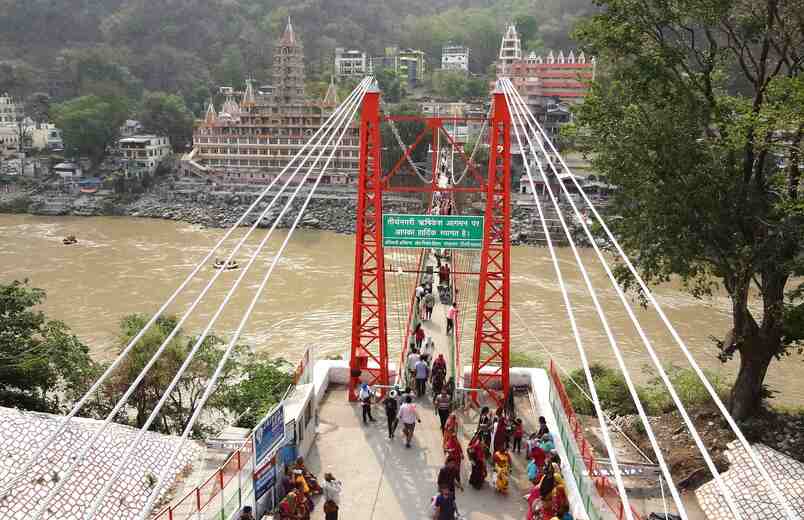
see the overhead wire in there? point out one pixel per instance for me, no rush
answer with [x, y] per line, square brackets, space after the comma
[781, 497]
[618, 477]
[37, 456]
[211, 385]
[338, 121]
[728, 496]
[87, 445]
[519, 110]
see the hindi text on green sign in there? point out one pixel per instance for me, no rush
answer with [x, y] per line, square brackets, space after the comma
[433, 231]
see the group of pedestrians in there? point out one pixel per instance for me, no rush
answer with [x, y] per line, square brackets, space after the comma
[298, 487]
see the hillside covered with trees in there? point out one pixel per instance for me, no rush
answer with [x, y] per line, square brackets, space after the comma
[188, 47]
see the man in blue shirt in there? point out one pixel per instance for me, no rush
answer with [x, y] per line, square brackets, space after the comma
[445, 505]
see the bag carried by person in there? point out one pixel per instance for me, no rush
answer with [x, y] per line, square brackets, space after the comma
[330, 506]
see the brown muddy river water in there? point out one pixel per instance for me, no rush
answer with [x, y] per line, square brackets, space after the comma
[126, 265]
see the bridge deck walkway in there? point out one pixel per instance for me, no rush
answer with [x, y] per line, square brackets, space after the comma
[382, 479]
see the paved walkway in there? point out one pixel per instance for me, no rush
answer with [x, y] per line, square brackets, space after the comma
[384, 480]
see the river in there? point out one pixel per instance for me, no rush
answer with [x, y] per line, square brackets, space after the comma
[127, 265]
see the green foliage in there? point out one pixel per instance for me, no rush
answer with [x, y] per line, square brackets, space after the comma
[187, 393]
[390, 86]
[689, 388]
[702, 137]
[616, 399]
[166, 114]
[522, 359]
[90, 123]
[262, 385]
[39, 358]
[456, 86]
[611, 390]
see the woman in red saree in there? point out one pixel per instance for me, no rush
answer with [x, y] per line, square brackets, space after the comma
[477, 456]
[454, 450]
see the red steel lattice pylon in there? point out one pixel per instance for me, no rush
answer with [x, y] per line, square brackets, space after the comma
[490, 357]
[369, 352]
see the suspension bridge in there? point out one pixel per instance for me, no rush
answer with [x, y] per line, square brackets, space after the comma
[460, 247]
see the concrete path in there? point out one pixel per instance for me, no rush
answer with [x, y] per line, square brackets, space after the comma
[383, 480]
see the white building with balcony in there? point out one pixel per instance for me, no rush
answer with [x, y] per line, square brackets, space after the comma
[350, 63]
[455, 58]
[144, 153]
[10, 110]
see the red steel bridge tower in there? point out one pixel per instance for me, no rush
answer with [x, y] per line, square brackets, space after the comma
[369, 343]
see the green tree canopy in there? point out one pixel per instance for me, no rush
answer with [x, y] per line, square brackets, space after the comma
[90, 124]
[698, 122]
[262, 385]
[40, 359]
[166, 114]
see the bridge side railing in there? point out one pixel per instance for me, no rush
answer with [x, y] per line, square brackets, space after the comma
[585, 469]
[222, 495]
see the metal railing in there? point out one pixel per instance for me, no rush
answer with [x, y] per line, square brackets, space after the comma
[587, 473]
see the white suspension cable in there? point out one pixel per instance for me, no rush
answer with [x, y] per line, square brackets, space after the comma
[341, 122]
[211, 385]
[474, 150]
[789, 512]
[133, 385]
[48, 442]
[618, 477]
[728, 496]
[518, 110]
[575, 383]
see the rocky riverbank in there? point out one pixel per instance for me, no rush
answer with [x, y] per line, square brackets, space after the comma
[328, 213]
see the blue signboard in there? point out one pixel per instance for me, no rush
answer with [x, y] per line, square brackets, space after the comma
[269, 433]
[264, 480]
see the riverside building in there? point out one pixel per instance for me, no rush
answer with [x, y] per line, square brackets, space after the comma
[256, 132]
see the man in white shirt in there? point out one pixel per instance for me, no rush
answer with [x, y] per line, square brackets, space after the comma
[408, 416]
[413, 358]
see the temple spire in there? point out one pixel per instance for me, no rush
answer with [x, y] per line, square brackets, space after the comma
[289, 36]
[211, 115]
[331, 97]
[249, 100]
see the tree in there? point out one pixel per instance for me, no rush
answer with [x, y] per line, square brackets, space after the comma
[262, 385]
[166, 114]
[40, 359]
[184, 398]
[90, 123]
[699, 124]
[389, 85]
[37, 107]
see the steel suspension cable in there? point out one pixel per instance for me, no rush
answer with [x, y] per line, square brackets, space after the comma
[343, 120]
[649, 347]
[211, 385]
[789, 512]
[618, 477]
[134, 384]
[37, 456]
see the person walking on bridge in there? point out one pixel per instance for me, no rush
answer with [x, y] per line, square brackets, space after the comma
[452, 316]
[429, 303]
[422, 371]
[391, 412]
[365, 395]
[409, 416]
[443, 404]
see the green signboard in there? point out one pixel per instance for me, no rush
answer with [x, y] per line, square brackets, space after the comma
[433, 231]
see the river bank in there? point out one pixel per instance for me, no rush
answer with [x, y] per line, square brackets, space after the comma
[333, 210]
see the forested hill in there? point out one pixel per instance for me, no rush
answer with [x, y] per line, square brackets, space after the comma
[187, 46]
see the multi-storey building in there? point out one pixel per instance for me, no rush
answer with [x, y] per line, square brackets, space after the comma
[412, 65]
[144, 153]
[455, 57]
[350, 63]
[409, 64]
[544, 79]
[256, 134]
[10, 110]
